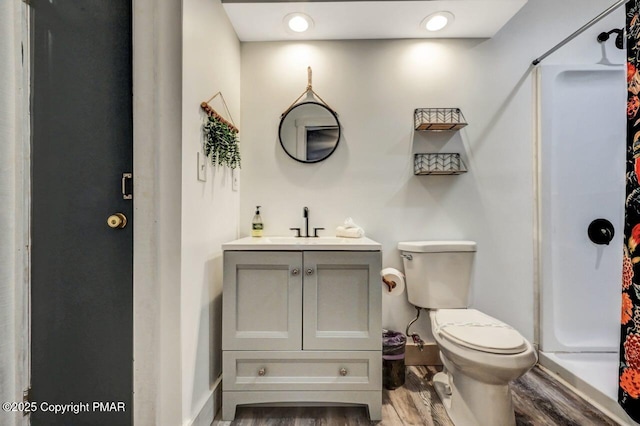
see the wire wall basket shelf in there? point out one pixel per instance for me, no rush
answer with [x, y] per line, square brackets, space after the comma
[438, 164]
[439, 119]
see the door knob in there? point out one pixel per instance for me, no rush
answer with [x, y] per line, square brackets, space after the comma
[117, 220]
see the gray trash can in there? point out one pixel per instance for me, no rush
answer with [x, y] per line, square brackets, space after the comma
[393, 349]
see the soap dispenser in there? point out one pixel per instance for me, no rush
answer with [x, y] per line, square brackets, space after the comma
[256, 224]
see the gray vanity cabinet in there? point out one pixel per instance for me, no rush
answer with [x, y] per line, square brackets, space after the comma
[302, 327]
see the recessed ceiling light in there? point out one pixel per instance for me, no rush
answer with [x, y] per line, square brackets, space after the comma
[298, 22]
[437, 21]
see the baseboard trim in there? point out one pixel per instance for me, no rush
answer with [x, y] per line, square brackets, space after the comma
[210, 407]
[428, 356]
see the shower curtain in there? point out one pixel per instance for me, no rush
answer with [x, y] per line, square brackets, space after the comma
[629, 384]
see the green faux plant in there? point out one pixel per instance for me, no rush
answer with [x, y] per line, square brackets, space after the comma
[221, 143]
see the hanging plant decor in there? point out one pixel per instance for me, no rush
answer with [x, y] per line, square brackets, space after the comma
[221, 143]
[220, 136]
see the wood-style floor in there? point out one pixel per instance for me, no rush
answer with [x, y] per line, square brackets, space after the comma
[539, 400]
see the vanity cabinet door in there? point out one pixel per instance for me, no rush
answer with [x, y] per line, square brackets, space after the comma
[342, 301]
[262, 301]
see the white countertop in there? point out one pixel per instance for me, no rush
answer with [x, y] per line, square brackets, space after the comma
[301, 243]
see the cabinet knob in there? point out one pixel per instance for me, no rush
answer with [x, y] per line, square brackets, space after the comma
[262, 372]
[309, 271]
[343, 372]
[295, 271]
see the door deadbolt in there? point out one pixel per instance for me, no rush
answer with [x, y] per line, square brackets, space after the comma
[117, 221]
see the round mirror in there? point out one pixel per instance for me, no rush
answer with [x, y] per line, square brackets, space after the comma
[309, 132]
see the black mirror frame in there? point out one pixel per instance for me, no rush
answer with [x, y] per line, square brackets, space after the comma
[307, 103]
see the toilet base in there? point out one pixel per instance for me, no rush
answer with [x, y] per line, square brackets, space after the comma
[469, 402]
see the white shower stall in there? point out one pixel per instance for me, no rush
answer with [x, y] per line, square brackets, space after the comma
[581, 177]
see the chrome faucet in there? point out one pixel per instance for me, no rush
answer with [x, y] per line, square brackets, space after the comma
[305, 215]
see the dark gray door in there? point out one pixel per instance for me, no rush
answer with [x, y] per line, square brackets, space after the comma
[81, 269]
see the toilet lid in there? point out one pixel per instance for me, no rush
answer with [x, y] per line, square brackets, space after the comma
[472, 329]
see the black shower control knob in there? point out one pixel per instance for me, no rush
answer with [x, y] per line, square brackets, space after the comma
[601, 231]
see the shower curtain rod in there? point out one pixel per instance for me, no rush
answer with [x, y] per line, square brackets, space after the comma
[579, 31]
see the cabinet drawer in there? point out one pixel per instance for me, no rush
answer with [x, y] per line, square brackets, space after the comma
[305, 370]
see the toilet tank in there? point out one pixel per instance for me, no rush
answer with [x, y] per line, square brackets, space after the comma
[438, 273]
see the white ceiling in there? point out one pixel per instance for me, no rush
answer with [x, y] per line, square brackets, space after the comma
[344, 20]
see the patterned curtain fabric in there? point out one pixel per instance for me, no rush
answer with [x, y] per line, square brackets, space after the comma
[629, 391]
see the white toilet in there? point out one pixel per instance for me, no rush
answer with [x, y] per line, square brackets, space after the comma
[480, 354]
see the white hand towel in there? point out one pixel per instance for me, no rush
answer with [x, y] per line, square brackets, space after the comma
[355, 232]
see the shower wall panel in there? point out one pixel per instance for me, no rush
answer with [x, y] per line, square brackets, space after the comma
[582, 157]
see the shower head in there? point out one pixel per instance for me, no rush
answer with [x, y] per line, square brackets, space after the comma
[604, 36]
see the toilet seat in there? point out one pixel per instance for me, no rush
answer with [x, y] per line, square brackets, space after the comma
[473, 329]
